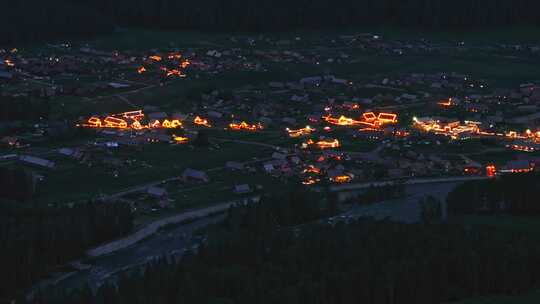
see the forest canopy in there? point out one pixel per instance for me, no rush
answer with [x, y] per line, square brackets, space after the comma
[38, 239]
[260, 254]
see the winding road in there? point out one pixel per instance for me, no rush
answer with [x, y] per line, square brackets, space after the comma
[152, 228]
[135, 251]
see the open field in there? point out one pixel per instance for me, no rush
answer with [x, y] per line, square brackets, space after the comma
[129, 39]
[75, 182]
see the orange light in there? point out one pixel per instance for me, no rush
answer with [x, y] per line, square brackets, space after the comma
[491, 170]
[94, 122]
[171, 124]
[353, 106]
[385, 118]
[156, 58]
[175, 72]
[312, 169]
[452, 129]
[141, 70]
[155, 124]
[310, 181]
[401, 133]
[9, 63]
[113, 122]
[369, 116]
[329, 144]
[511, 134]
[341, 179]
[341, 121]
[522, 148]
[374, 121]
[135, 115]
[202, 122]
[174, 56]
[245, 126]
[184, 64]
[180, 139]
[516, 135]
[446, 103]
[323, 144]
[120, 121]
[136, 125]
[300, 132]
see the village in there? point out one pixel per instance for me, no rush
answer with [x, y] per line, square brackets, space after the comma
[173, 129]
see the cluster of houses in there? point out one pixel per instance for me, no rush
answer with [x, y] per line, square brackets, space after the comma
[65, 61]
[278, 105]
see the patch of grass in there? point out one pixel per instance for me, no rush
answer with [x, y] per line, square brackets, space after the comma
[492, 35]
[504, 72]
[359, 145]
[75, 182]
[221, 188]
[145, 40]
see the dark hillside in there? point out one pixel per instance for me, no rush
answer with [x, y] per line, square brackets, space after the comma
[28, 20]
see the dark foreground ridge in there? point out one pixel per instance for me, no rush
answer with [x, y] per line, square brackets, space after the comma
[260, 254]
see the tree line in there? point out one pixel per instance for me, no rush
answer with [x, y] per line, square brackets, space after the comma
[31, 19]
[515, 194]
[37, 239]
[261, 254]
[247, 15]
[36, 20]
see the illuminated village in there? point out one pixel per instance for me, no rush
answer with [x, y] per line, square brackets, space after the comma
[174, 134]
[170, 119]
